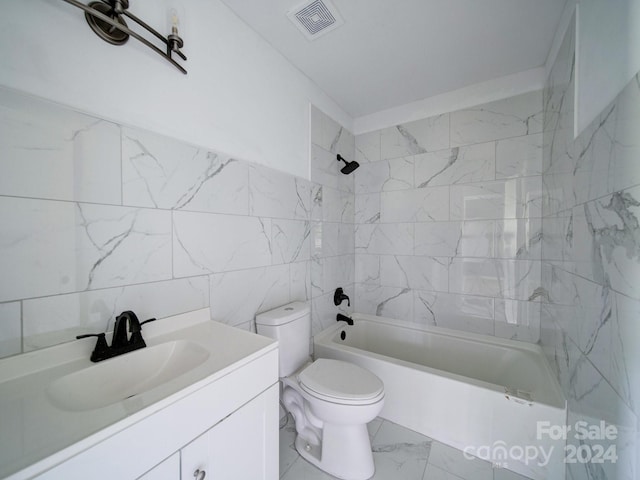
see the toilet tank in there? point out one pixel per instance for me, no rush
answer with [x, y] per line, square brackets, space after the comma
[291, 326]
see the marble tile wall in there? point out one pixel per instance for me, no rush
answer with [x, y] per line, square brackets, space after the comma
[448, 219]
[98, 218]
[332, 217]
[590, 317]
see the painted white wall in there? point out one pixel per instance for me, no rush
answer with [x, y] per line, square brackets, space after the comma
[240, 96]
[608, 54]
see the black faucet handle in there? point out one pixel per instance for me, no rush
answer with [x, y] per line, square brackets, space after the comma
[101, 350]
[147, 321]
[87, 335]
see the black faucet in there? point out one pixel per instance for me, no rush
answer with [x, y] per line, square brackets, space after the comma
[339, 296]
[120, 339]
[120, 343]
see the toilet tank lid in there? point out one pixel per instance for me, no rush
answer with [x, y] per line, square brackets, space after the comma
[284, 314]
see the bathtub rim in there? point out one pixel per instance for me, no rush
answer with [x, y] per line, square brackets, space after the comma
[325, 338]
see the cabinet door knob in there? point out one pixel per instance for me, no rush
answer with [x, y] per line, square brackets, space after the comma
[199, 474]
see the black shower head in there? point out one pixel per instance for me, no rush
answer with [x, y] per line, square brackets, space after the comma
[348, 166]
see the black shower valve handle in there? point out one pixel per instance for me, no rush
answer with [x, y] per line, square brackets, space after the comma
[339, 296]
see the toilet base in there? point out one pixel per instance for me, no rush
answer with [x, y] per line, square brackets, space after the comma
[345, 452]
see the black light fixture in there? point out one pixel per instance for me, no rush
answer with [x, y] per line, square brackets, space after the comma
[106, 19]
[348, 166]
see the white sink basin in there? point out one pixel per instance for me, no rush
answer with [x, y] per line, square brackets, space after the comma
[122, 377]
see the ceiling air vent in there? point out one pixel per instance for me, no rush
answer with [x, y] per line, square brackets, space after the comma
[315, 18]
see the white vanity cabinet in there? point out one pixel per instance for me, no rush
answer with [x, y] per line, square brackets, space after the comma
[220, 415]
[169, 469]
[229, 428]
[240, 447]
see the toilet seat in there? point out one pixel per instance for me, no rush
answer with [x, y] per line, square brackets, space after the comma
[340, 382]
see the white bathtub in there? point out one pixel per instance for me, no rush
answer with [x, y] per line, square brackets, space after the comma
[477, 393]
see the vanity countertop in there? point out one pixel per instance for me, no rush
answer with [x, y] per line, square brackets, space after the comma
[36, 433]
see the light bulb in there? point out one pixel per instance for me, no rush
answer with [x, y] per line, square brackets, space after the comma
[174, 21]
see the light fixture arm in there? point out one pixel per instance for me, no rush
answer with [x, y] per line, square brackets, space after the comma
[122, 28]
[154, 32]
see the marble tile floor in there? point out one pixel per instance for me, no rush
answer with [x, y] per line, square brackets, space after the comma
[399, 454]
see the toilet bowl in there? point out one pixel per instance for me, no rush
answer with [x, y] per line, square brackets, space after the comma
[331, 401]
[331, 416]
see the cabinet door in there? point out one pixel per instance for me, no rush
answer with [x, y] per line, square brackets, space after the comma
[243, 446]
[169, 469]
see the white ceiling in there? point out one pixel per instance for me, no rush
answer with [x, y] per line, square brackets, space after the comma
[393, 52]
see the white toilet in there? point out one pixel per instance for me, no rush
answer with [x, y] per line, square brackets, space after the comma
[331, 401]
